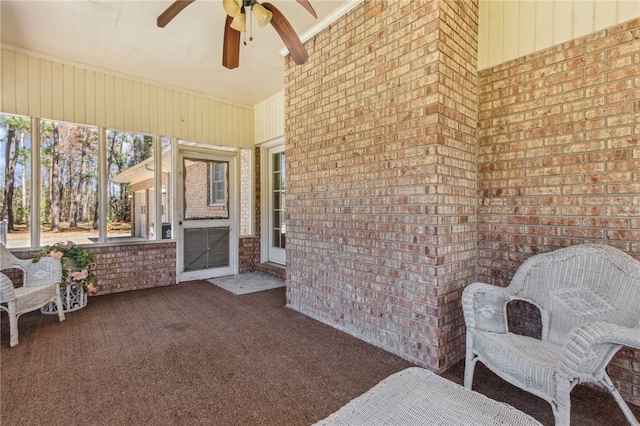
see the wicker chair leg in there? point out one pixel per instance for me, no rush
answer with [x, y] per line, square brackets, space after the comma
[561, 405]
[60, 308]
[469, 366]
[610, 387]
[13, 323]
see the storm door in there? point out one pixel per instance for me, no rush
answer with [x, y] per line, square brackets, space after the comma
[208, 243]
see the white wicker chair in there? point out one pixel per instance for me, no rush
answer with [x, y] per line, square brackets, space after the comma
[588, 297]
[41, 285]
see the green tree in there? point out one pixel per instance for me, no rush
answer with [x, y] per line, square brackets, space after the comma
[16, 130]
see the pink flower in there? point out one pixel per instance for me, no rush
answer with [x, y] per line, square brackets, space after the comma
[55, 254]
[79, 275]
[91, 289]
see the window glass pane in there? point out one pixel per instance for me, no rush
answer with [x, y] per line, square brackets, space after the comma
[130, 188]
[167, 195]
[246, 194]
[69, 183]
[15, 180]
[279, 210]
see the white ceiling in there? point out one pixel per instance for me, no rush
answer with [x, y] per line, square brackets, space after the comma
[122, 37]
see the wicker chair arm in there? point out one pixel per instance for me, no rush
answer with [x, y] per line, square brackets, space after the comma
[589, 347]
[484, 307]
[7, 291]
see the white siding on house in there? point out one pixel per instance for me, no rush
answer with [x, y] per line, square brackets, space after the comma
[39, 87]
[509, 29]
[269, 118]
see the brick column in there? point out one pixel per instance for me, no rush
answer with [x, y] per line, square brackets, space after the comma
[381, 175]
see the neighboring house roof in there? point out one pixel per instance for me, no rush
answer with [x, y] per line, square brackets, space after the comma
[143, 170]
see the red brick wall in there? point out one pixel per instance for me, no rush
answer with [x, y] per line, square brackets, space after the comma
[559, 158]
[127, 267]
[197, 186]
[381, 176]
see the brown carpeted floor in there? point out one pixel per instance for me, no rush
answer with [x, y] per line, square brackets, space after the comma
[195, 354]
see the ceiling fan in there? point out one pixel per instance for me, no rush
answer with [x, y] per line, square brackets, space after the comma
[235, 23]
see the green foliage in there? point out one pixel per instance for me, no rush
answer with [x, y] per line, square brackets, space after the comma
[15, 123]
[78, 264]
[20, 215]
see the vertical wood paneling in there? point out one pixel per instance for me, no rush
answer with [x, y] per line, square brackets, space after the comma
[269, 119]
[606, 14]
[561, 31]
[527, 26]
[144, 99]
[51, 90]
[177, 113]
[79, 106]
[190, 125]
[583, 19]
[127, 103]
[197, 123]
[511, 19]
[183, 111]
[496, 31]
[153, 108]
[628, 8]
[119, 103]
[46, 90]
[90, 97]
[542, 24]
[205, 120]
[215, 118]
[136, 106]
[9, 73]
[57, 86]
[162, 112]
[101, 107]
[170, 112]
[69, 94]
[34, 87]
[22, 76]
[483, 34]
[110, 100]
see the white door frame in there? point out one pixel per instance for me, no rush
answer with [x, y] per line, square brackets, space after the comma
[232, 221]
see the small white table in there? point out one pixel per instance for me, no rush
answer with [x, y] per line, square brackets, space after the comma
[416, 396]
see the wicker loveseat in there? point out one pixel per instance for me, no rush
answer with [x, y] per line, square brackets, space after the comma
[589, 302]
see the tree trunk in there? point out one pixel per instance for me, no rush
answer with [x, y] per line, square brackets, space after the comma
[75, 204]
[11, 159]
[55, 185]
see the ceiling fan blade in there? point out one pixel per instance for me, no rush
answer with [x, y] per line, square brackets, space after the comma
[171, 12]
[288, 35]
[307, 5]
[230, 46]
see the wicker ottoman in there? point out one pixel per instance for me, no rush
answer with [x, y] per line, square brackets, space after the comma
[416, 396]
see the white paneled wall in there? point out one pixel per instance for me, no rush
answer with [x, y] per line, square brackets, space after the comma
[269, 118]
[509, 29]
[47, 89]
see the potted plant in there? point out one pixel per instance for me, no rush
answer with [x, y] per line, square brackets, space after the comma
[78, 275]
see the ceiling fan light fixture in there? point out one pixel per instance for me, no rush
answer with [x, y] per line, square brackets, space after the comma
[263, 16]
[239, 23]
[232, 7]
